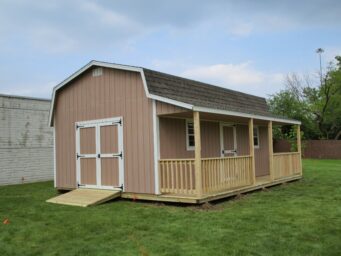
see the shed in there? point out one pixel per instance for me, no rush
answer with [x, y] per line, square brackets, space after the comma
[156, 136]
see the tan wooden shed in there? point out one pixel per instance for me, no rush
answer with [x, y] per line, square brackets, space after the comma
[156, 136]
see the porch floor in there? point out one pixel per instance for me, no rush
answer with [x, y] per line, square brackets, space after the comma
[261, 182]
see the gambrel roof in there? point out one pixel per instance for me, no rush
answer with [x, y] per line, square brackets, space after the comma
[203, 95]
[189, 94]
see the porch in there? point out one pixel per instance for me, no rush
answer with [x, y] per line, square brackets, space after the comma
[208, 178]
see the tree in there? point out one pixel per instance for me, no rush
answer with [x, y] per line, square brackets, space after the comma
[291, 103]
[318, 107]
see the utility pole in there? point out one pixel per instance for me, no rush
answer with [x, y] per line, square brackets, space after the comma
[319, 51]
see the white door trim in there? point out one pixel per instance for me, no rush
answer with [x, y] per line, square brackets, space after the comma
[97, 124]
[221, 126]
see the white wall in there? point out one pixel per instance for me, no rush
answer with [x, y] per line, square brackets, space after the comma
[26, 141]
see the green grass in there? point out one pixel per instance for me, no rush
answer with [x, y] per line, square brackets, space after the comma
[298, 218]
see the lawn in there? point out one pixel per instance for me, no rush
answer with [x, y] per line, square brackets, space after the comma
[298, 218]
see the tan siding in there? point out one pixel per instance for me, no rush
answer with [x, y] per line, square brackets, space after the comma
[242, 140]
[262, 153]
[88, 174]
[115, 93]
[109, 139]
[165, 108]
[87, 140]
[210, 139]
[173, 139]
[109, 174]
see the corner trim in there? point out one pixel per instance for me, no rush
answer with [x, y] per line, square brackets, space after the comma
[156, 150]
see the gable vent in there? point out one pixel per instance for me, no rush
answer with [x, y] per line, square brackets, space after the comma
[97, 72]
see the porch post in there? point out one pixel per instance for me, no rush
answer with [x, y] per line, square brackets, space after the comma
[252, 151]
[298, 137]
[271, 151]
[197, 153]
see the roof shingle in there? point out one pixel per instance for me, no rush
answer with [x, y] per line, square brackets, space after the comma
[204, 95]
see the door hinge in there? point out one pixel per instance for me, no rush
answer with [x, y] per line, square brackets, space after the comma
[78, 156]
[98, 155]
[121, 187]
[79, 126]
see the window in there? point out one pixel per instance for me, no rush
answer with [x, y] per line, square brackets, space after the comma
[256, 137]
[190, 135]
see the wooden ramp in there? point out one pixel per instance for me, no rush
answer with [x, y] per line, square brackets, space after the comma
[85, 197]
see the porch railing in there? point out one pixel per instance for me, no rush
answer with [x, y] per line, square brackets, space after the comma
[286, 164]
[218, 174]
[177, 176]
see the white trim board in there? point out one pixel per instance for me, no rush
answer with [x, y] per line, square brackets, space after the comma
[233, 113]
[54, 159]
[156, 149]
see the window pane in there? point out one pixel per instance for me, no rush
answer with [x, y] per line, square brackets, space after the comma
[255, 132]
[255, 137]
[190, 135]
[190, 128]
[255, 141]
[191, 141]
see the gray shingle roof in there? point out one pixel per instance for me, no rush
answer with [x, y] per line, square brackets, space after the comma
[204, 95]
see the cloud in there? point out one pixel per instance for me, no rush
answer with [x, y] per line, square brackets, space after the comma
[108, 17]
[242, 76]
[241, 29]
[42, 90]
[66, 26]
[52, 40]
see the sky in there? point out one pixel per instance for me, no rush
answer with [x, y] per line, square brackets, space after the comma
[249, 46]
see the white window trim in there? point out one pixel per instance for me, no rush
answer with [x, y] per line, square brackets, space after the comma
[257, 129]
[188, 147]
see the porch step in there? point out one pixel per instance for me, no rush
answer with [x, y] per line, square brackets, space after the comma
[85, 197]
